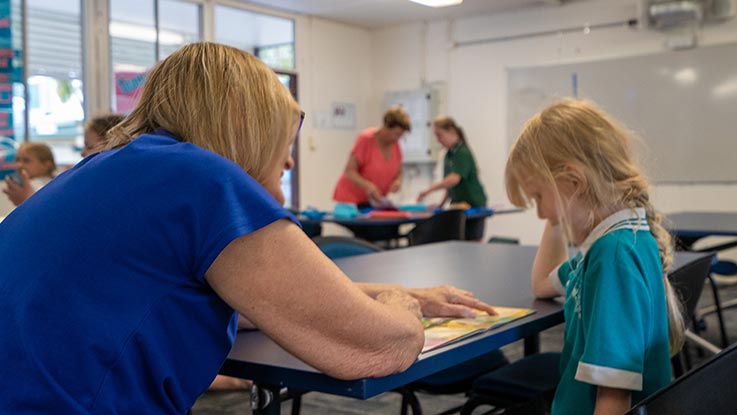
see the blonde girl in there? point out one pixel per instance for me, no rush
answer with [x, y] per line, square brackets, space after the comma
[575, 164]
[35, 167]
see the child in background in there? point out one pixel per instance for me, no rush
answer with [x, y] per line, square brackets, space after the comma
[95, 132]
[622, 318]
[35, 167]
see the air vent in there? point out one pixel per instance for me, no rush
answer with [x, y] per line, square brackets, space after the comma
[672, 14]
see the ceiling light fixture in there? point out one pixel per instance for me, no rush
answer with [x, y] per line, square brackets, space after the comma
[438, 3]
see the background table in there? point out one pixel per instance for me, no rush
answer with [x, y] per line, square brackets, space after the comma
[382, 229]
[688, 227]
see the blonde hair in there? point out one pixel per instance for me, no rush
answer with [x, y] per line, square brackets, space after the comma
[43, 153]
[579, 133]
[101, 124]
[219, 98]
[396, 116]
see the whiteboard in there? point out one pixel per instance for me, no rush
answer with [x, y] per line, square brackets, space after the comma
[682, 104]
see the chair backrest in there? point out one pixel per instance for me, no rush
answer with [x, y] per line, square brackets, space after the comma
[449, 225]
[707, 389]
[335, 247]
[688, 282]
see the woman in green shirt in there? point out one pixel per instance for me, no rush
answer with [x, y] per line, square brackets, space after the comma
[460, 175]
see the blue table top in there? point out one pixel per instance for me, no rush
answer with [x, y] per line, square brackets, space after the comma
[496, 273]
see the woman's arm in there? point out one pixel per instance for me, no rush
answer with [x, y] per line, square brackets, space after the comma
[351, 172]
[552, 252]
[448, 182]
[277, 278]
[612, 401]
[397, 183]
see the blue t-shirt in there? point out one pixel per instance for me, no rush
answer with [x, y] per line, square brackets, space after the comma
[104, 308]
[616, 331]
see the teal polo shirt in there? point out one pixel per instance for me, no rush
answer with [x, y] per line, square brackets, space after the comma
[616, 331]
[459, 160]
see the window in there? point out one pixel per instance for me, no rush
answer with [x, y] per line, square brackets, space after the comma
[271, 39]
[138, 42]
[54, 112]
[179, 24]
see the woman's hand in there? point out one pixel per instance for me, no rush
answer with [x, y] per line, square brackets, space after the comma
[449, 301]
[400, 299]
[423, 194]
[396, 185]
[373, 192]
[18, 193]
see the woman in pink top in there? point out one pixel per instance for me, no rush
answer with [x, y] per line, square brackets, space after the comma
[374, 166]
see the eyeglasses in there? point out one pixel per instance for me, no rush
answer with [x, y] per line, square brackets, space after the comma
[301, 120]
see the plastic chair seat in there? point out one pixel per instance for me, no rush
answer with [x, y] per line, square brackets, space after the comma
[449, 225]
[459, 378]
[525, 386]
[523, 379]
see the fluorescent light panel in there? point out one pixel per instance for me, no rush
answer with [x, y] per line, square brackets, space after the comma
[438, 3]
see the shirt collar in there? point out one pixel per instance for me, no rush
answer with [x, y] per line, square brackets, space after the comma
[624, 219]
[456, 146]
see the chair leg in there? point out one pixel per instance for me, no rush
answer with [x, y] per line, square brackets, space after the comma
[409, 400]
[451, 411]
[474, 402]
[718, 306]
[296, 404]
[677, 363]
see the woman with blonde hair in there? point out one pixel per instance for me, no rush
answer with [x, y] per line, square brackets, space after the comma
[575, 164]
[186, 231]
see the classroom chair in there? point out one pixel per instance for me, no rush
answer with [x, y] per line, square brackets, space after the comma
[723, 273]
[503, 240]
[456, 379]
[688, 283]
[707, 389]
[335, 247]
[449, 225]
[525, 386]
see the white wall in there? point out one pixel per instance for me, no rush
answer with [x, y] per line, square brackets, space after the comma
[334, 65]
[475, 75]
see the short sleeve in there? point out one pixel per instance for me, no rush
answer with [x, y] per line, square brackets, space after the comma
[233, 206]
[463, 164]
[361, 148]
[559, 277]
[615, 314]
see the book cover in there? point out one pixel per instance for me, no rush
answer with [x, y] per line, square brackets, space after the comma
[441, 331]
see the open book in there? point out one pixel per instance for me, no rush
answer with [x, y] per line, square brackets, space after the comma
[440, 331]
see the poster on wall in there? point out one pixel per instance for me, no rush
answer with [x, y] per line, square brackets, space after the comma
[8, 71]
[343, 115]
[127, 90]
